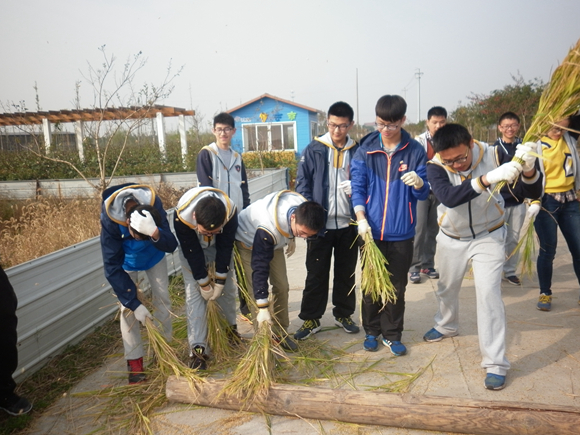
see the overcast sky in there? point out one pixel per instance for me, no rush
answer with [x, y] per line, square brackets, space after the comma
[302, 50]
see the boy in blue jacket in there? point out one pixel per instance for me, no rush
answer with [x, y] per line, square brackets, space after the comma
[388, 177]
[135, 236]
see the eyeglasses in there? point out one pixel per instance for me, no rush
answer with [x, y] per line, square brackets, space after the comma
[201, 230]
[389, 127]
[459, 160]
[341, 127]
[510, 126]
[226, 130]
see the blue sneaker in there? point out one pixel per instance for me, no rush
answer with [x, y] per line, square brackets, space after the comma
[397, 348]
[415, 277]
[371, 344]
[433, 335]
[545, 302]
[431, 273]
[494, 382]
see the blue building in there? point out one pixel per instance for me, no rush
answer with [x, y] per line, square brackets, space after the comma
[269, 123]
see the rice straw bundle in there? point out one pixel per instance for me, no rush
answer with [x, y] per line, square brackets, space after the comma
[255, 373]
[559, 100]
[167, 360]
[242, 281]
[375, 278]
[529, 253]
[220, 339]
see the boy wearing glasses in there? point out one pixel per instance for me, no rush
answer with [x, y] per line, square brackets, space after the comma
[205, 224]
[223, 168]
[323, 177]
[472, 230]
[427, 226]
[388, 178]
[515, 208]
[135, 236]
[265, 228]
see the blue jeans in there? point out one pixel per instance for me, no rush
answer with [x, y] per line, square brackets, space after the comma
[555, 214]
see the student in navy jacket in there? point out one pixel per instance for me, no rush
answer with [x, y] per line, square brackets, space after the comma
[135, 236]
[324, 177]
[388, 178]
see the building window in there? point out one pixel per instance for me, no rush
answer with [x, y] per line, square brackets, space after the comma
[313, 130]
[270, 137]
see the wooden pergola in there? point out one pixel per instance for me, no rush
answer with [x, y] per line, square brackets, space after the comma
[46, 118]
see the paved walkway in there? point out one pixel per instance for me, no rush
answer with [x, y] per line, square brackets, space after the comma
[543, 348]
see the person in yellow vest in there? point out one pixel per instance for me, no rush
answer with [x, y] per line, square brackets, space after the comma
[558, 207]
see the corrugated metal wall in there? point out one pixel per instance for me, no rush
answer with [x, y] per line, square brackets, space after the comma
[64, 295]
[30, 189]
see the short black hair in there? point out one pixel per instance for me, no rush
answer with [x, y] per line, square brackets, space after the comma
[224, 118]
[342, 110]
[311, 215]
[508, 115]
[210, 212]
[140, 209]
[450, 136]
[437, 111]
[391, 108]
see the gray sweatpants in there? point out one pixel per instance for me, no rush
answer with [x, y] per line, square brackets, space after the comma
[130, 326]
[487, 254]
[195, 304]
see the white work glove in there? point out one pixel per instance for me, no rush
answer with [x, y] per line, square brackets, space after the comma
[507, 172]
[218, 288]
[533, 210]
[206, 292]
[264, 316]
[290, 248]
[363, 227]
[142, 313]
[523, 152]
[412, 179]
[144, 224]
[345, 185]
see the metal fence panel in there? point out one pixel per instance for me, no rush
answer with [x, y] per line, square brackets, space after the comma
[79, 187]
[64, 295]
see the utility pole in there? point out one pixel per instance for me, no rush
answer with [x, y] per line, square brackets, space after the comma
[418, 74]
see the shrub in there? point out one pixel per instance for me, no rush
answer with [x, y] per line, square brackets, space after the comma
[272, 159]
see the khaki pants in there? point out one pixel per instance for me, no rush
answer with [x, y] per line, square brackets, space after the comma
[278, 280]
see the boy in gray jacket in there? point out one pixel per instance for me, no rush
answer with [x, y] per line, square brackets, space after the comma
[462, 176]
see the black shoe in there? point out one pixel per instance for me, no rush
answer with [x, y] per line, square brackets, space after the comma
[287, 343]
[198, 358]
[347, 324]
[309, 327]
[135, 369]
[15, 405]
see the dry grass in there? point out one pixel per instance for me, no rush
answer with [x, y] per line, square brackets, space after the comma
[375, 276]
[47, 225]
[55, 223]
[255, 373]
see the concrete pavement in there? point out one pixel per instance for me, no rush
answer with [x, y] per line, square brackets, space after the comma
[543, 348]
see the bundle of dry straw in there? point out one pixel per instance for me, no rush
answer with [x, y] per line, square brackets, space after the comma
[560, 99]
[375, 277]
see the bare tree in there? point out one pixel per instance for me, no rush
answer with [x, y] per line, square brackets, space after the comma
[113, 87]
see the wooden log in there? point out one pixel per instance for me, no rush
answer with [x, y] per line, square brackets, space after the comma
[388, 409]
